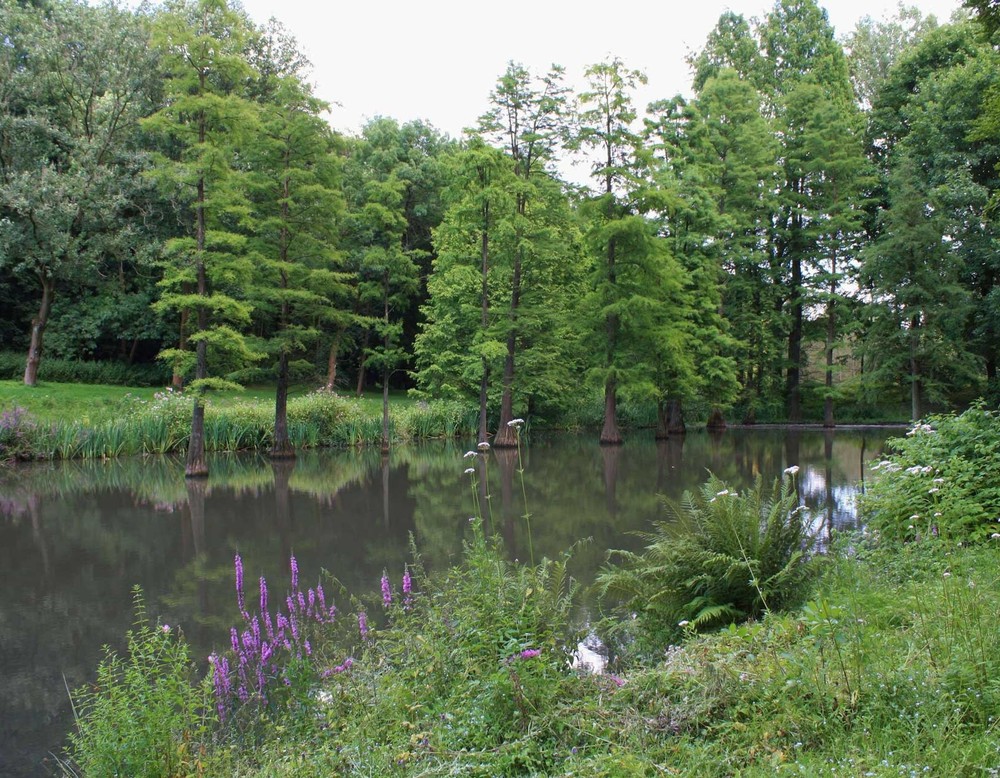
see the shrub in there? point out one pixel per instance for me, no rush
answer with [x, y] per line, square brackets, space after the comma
[943, 478]
[17, 433]
[145, 716]
[725, 557]
[86, 372]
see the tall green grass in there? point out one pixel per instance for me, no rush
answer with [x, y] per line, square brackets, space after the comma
[134, 425]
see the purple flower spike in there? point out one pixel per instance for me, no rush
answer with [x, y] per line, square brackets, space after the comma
[312, 603]
[386, 591]
[363, 624]
[221, 684]
[234, 638]
[530, 653]
[407, 589]
[263, 595]
[295, 574]
[308, 648]
[342, 668]
[321, 597]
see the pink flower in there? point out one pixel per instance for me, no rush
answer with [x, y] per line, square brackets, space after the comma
[386, 591]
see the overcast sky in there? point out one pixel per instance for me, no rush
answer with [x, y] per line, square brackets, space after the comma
[438, 60]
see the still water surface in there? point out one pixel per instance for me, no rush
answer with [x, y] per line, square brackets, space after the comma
[75, 537]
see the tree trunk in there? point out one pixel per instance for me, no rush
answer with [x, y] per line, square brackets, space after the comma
[916, 409]
[196, 466]
[331, 365]
[282, 447]
[669, 419]
[793, 384]
[505, 437]
[675, 418]
[484, 383]
[610, 434]
[385, 367]
[177, 379]
[716, 421]
[38, 325]
[830, 334]
[361, 364]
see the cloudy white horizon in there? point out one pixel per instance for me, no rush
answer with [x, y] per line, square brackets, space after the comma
[438, 60]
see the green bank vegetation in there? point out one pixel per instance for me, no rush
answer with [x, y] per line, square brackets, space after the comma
[878, 657]
[809, 236]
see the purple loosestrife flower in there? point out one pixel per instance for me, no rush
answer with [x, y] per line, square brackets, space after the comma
[221, 683]
[263, 595]
[386, 591]
[308, 648]
[341, 668]
[407, 589]
[363, 624]
[269, 626]
[530, 653]
[234, 638]
[295, 574]
[312, 603]
[322, 599]
[238, 564]
[302, 604]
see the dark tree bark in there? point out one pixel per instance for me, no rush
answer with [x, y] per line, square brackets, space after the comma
[38, 324]
[831, 332]
[484, 383]
[331, 365]
[793, 384]
[916, 405]
[197, 466]
[361, 364]
[282, 447]
[716, 421]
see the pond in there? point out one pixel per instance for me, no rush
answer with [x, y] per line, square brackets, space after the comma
[75, 537]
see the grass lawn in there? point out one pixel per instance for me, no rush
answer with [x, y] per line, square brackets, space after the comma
[49, 401]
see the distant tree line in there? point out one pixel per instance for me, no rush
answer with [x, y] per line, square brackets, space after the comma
[814, 228]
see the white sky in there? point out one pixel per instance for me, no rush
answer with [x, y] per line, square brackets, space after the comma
[438, 60]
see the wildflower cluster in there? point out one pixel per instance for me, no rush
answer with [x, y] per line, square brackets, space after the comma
[266, 647]
[16, 430]
[941, 479]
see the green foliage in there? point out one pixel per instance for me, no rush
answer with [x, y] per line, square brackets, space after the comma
[726, 557]
[941, 479]
[146, 715]
[86, 372]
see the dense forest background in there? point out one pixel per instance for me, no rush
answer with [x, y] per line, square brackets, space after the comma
[812, 235]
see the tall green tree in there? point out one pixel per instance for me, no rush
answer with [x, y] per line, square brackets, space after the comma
[528, 118]
[920, 307]
[296, 204]
[737, 153]
[936, 92]
[695, 359]
[411, 155]
[74, 82]
[458, 348]
[628, 258]
[202, 123]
